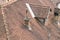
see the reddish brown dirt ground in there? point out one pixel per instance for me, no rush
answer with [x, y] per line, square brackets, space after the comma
[15, 14]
